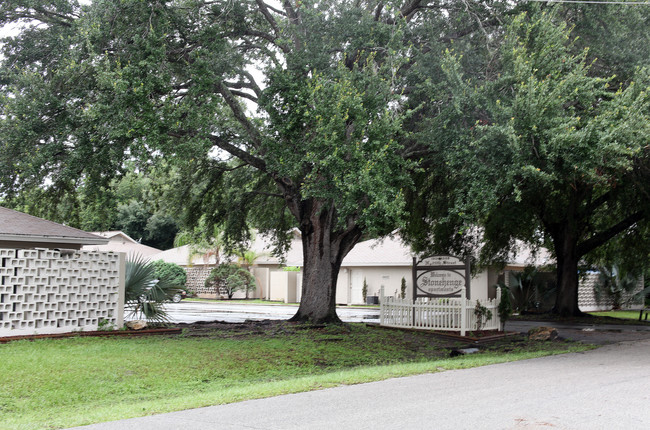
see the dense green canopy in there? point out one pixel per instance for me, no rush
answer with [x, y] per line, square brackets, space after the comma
[320, 139]
[545, 152]
[339, 118]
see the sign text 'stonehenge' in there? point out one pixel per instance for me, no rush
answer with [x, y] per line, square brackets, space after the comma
[441, 276]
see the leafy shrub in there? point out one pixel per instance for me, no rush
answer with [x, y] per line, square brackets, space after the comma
[229, 278]
[482, 314]
[174, 273]
[403, 289]
[364, 290]
[505, 305]
[523, 289]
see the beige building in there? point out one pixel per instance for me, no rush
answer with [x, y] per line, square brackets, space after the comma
[118, 241]
[380, 262]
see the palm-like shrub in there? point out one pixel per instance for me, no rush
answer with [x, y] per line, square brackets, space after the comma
[616, 286]
[144, 294]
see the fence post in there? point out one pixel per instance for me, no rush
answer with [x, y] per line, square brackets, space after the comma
[381, 305]
[463, 312]
[496, 310]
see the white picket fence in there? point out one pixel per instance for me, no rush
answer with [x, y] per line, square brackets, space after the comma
[444, 314]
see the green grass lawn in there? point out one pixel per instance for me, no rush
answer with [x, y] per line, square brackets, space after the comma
[625, 315]
[59, 383]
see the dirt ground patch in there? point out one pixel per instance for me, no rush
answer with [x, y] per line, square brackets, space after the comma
[418, 343]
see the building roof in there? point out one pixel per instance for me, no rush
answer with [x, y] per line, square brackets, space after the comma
[388, 251]
[384, 252]
[261, 245]
[524, 255]
[119, 241]
[20, 227]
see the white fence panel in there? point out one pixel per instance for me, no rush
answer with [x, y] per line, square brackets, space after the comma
[444, 314]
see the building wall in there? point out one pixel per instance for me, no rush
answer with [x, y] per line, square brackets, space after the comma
[284, 286]
[45, 291]
[349, 286]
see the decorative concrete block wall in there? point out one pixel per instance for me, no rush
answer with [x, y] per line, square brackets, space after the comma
[45, 291]
[588, 302]
[196, 276]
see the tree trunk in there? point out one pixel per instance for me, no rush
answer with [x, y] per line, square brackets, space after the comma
[566, 249]
[324, 248]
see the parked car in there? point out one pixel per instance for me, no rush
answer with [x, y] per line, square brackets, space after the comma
[180, 295]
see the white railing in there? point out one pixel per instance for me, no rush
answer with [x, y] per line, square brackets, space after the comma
[445, 314]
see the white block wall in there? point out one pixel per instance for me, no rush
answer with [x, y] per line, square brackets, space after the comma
[44, 292]
[587, 301]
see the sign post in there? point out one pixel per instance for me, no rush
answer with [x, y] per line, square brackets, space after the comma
[443, 276]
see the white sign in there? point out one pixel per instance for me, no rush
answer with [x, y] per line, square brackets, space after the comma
[441, 282]
[441, 260]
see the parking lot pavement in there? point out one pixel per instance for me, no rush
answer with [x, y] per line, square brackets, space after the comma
[602, 334]
[190, 311]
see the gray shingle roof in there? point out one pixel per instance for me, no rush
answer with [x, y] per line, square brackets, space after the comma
[18, 226]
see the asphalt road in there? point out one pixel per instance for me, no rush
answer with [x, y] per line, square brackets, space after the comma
[607, 388]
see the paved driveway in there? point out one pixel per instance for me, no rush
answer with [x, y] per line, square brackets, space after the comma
[607, 388]
[190, 311]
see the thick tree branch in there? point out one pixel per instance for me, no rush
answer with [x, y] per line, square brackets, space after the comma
[240, 116]
[243, 155]
[595, 204]
[600, 238]
[263, 7]
[224, 144]
[244, 95]
[410, 8]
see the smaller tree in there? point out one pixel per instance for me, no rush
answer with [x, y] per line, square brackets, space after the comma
[173, 273]
[246, 259]
[616, 286]
[230, 278]
[364, 290]
[403, 289]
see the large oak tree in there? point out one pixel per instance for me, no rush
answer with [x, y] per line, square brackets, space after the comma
[292, 111]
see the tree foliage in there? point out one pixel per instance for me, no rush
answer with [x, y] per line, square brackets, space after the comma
[363, 106]
[321, 143]
[173, 273]
[553, 156]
